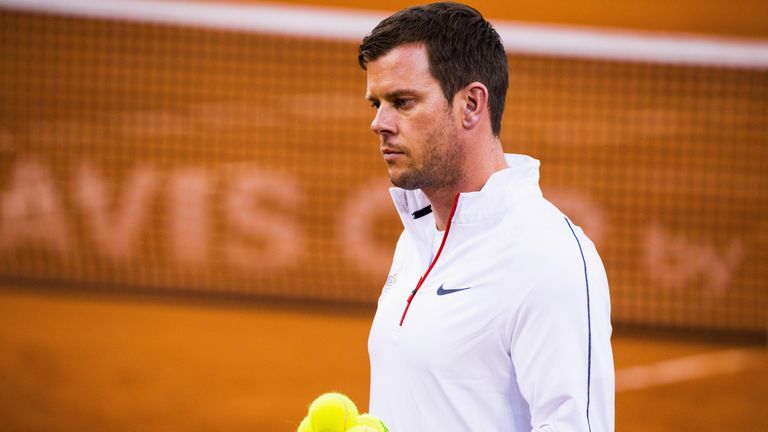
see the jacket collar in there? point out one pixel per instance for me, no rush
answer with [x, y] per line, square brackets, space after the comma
[519, 180]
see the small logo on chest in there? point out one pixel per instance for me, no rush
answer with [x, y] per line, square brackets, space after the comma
[442, 291]
[391, 281]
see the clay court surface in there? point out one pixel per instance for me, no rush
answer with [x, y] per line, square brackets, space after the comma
[106, 363]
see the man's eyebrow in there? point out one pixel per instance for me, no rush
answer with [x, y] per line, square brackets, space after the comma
[393, 95]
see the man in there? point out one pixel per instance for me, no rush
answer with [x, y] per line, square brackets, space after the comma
[496, 313]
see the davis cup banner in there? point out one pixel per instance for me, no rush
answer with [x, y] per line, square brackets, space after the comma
[151, 157]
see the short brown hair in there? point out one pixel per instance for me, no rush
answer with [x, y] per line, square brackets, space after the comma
[462, 47]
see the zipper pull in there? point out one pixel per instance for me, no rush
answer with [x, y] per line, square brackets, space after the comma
[410, 298]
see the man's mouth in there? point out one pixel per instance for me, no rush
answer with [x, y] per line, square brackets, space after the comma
[390, 154]
[387, 149]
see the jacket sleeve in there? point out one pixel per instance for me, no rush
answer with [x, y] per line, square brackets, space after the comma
[560, 337]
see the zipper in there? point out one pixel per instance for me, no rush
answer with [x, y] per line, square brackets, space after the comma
[434, 260]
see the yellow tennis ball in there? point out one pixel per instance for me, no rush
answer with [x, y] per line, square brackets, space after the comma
[370, 422]
[305, 426]
[332, 412]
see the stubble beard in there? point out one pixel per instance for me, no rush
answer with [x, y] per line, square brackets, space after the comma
[439, 167]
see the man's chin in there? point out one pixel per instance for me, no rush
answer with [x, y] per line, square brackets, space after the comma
[403, 181]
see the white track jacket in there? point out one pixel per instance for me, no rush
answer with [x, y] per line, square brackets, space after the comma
[509, 330]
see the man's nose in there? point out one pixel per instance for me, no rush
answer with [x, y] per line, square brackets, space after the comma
[383, 122]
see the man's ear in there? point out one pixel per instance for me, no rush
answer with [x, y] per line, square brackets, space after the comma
[475, 98]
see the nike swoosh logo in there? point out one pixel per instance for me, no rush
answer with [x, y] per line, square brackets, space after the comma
[443, 291]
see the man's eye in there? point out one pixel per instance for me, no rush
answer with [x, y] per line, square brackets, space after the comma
[375, 104]
[402, 103]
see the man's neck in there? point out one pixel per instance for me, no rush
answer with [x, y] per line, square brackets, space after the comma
[473, 180]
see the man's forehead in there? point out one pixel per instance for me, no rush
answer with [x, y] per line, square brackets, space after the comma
[406, 65]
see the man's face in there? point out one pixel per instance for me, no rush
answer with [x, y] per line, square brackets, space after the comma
[415, 123]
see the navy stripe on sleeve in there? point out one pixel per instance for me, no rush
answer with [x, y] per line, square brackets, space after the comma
[589, 321]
